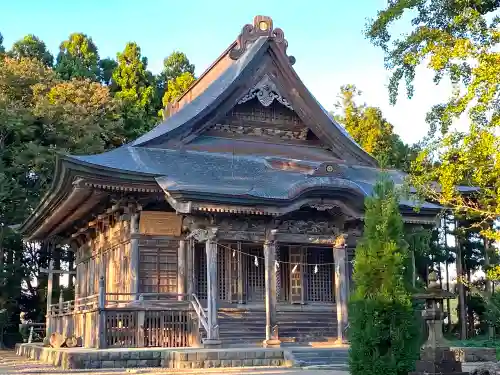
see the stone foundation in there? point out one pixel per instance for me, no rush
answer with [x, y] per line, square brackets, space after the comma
[475, 354]
[81, 358]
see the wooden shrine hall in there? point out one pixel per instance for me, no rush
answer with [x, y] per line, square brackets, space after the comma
[232, 221]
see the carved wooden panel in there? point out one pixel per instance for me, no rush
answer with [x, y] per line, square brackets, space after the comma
[254, 119]
[158, 223]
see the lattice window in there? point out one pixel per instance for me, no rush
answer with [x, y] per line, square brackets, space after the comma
[201, 270]
[284, 272]
[223, 260]
[296, 274]
[320, 286]
[158, 265]
[255, 275]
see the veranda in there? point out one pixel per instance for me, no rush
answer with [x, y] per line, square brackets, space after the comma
[240, 275]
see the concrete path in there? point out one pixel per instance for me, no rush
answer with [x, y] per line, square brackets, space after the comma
[11, 364]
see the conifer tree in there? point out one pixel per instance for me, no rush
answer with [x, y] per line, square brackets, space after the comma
[32, 47]
[2, 49]
[78, 58]
[383, 328]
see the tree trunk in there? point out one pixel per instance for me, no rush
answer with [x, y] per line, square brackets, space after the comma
[56, 255]
[489, 284]
[470, 314]
[462, 308]
[414, 268]
[447, 270]
[1, 250]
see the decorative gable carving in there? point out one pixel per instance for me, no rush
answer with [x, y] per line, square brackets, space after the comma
[262, 27]
[266, 92]
[274, 121]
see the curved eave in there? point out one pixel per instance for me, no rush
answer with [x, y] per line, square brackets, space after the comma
[76, 189]
[351, 202]
[250, 200]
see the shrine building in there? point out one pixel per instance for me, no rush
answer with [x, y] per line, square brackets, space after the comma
[232, 221]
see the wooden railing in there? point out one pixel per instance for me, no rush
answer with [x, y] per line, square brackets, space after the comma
[130, 319]
[151, 328]
[81, 304]
[200, 312]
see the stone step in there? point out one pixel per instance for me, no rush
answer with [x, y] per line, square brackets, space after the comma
[248, 326]
[321, 357]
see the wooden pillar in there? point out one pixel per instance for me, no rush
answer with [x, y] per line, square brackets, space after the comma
[50, 279]
[190, 266]
[100, 330]
[134, 254]
[341, 289]
[212, 293]
[181, 269]
[272, 337]
[240, 274]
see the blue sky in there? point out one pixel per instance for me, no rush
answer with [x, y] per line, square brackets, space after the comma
[325, 37]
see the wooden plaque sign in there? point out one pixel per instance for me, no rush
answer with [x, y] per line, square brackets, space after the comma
[157, 223]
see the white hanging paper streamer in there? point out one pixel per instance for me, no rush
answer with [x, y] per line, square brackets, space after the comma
[256, 261]
[234, 253]
[295, 268]
[316, 268]
[276, 265]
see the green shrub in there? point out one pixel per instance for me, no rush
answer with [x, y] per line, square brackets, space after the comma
[384, 333]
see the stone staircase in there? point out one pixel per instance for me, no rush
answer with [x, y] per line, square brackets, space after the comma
[327, 358]
[245, 327]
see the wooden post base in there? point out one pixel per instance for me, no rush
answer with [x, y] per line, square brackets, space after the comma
[273, 343]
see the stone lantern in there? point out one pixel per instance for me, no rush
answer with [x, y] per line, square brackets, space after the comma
[435, 355]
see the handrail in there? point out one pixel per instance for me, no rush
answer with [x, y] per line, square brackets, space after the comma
[199, 304]
[200, 311]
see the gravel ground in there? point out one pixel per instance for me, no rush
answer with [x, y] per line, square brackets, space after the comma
[11, 364]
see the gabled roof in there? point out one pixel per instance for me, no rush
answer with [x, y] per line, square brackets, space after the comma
[258, 53]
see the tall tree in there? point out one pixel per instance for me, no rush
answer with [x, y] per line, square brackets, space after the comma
[458, 40]
[78, 58]
[174, 65]
[32, 47]
[2, 49]
[106, 68]
[383, 330]
[132, 82]
[176, 87]
[41, 115]
[134, 86]
[371, 130]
